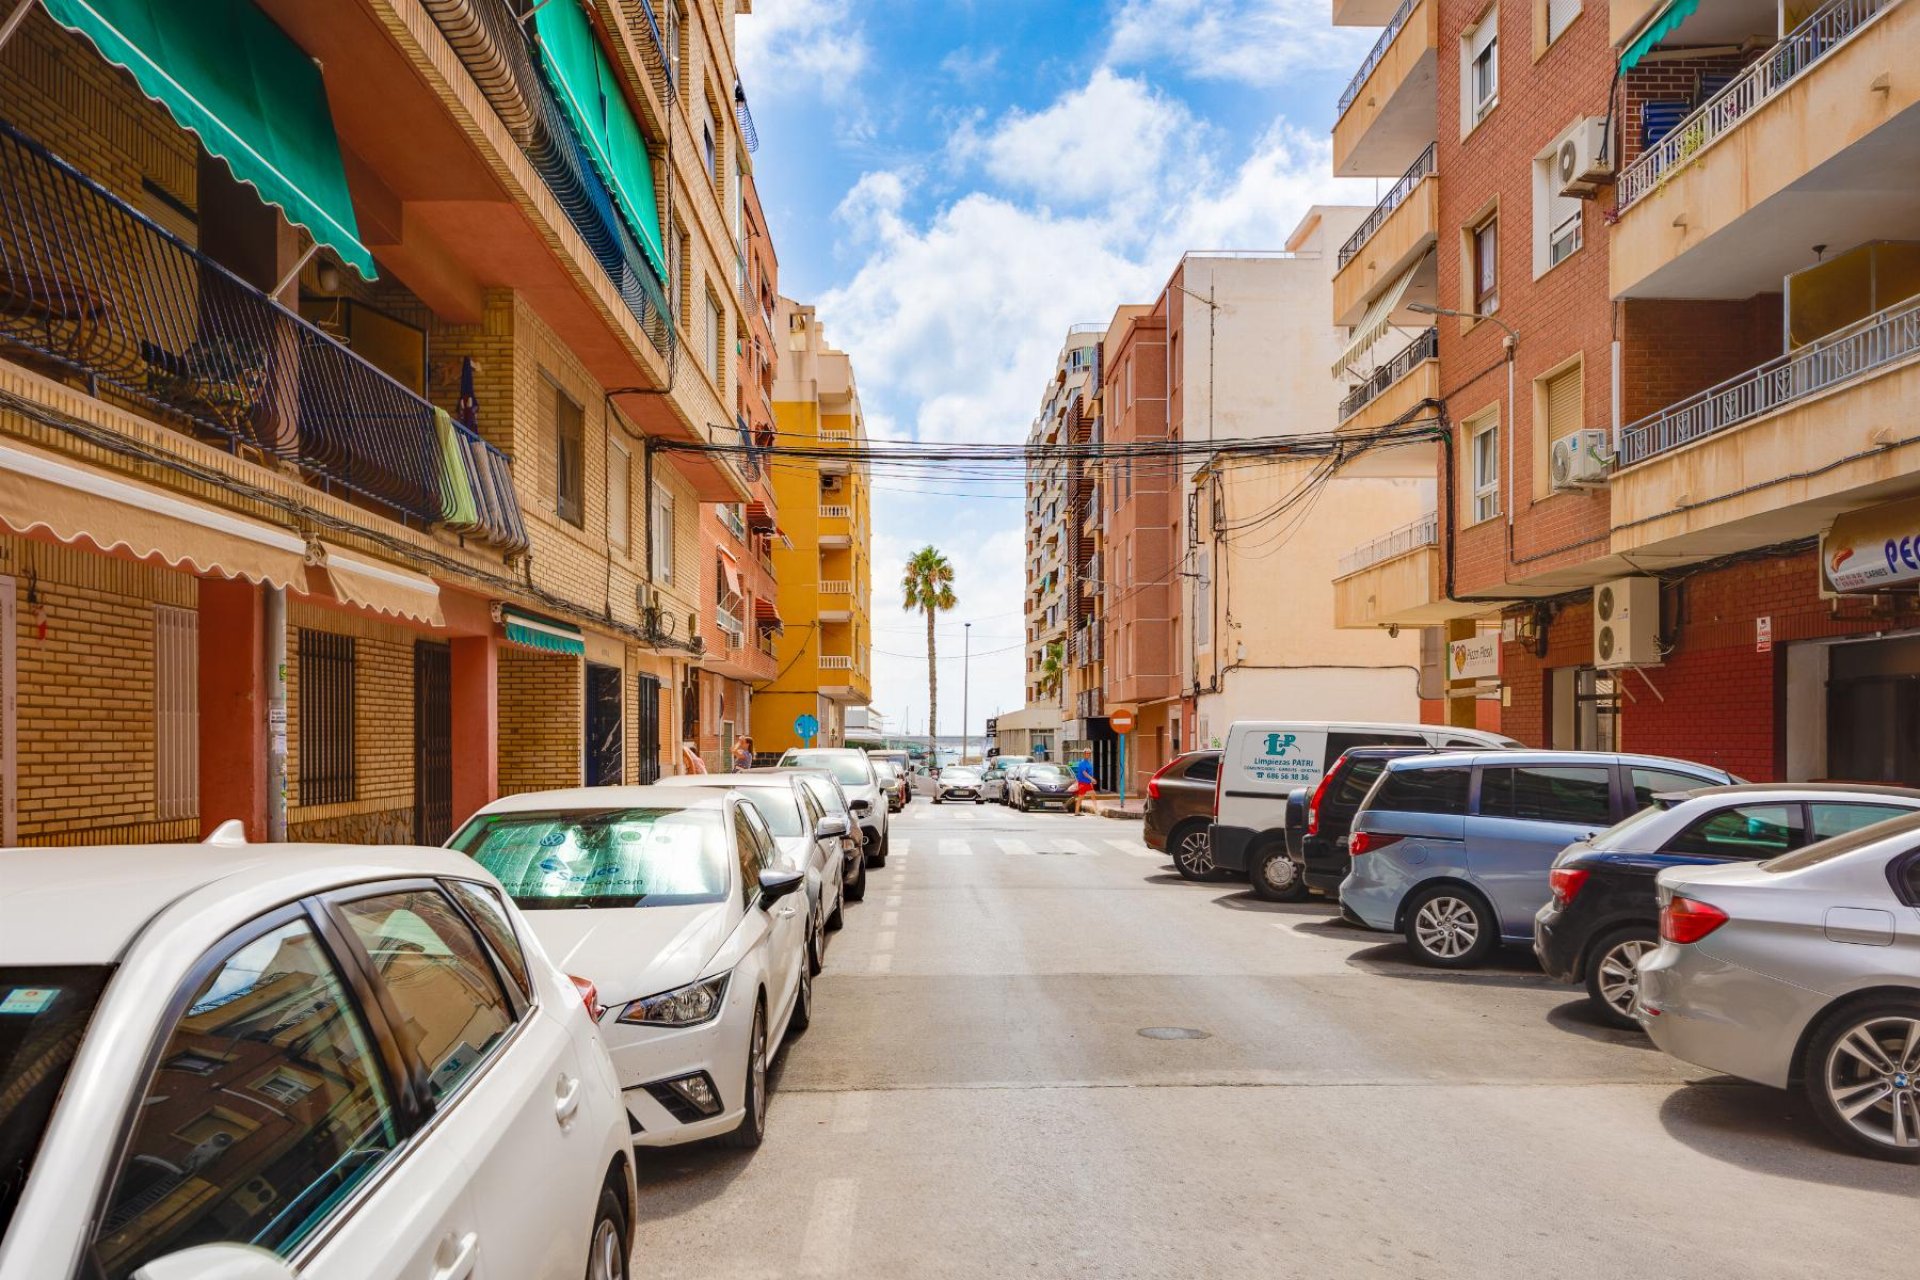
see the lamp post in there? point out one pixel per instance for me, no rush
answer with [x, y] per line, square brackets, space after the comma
[966, 672]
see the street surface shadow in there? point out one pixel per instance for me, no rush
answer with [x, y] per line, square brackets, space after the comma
[672, 1180]
[1248, 900]
[1508, 967]
[1756, 1127]
[1578, 1018]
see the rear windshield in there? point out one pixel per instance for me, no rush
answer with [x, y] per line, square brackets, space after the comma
[43, 1015]
[1204, 768]
[848, 770]
[602, 858]
[1356, 779]
[1622, 836]
[1422, 791]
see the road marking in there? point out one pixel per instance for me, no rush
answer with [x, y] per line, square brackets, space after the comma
[1074, 846]
[880, 964]
[830, 1226]
[883, 941]
[899, 847]
[889, 918]
[951, 848]
[1132, 849]
[893, 899]
[1014, 846]
[851, 1113]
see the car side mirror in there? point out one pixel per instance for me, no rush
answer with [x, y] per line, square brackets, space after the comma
[218, 1262]
[859, 806]
[830, 827]
[774, 885]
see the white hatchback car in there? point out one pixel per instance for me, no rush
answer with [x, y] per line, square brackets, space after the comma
[262, 1061]
[673, 903]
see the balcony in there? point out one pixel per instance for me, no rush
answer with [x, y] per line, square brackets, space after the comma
[1362, 13]
[1396, 579]
[1422, 350]
[91, 289]
[836, 525]
[1399, 231]
[836, 662]
[1388, 112]
[1815, 142]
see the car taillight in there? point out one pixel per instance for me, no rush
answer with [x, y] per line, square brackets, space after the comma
[589, 996]
[1566, 884]
[1218, 777]
[1689, 920]
[1153, 783]
[1313, 805]
[1367, 841]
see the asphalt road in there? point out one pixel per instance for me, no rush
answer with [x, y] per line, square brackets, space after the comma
[975, 1099]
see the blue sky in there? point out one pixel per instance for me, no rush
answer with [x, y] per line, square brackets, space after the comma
[954, 182]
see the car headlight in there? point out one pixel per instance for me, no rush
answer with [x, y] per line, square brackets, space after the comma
[687, 1006]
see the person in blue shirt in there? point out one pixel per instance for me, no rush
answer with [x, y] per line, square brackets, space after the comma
[1083, 779]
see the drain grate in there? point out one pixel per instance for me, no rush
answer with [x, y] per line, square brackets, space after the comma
[1175, 1033]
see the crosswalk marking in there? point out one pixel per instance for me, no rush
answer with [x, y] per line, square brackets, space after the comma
[1073, 846]
[1132, 848]
[898, 846]
[1014, 846]
[952, 848]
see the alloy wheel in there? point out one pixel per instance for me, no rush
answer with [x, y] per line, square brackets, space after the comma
[607, 1260]
[1446, 926]
[757, 1067]
[1873, 1080]
[1195, 853]
[1619, 974]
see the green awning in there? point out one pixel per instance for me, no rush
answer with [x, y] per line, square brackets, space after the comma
[532, 631]
[226, 73]
[590, 91]
[1663, 24]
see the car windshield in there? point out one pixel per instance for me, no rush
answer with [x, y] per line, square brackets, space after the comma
[885, 771]
[1043, 773]
[849, 770]
[827, 794]
[954, 773]
[1625, 834]
[43, 1015]
[1825, 850]
[655, 857]
[778, 805]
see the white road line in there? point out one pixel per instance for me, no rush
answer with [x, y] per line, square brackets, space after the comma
[852, 1112]
[880, 964]
[883, 941]
[823, 1250]
[898, 847]
[1014, 846]
[951, 848]
[893, 899]
[888, 919]
[1132, 848]
[1073, 846]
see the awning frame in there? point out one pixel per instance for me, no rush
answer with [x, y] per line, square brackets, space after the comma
[1378, 317]
[547, 635]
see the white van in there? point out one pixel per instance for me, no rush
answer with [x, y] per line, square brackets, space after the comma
[1264, 760]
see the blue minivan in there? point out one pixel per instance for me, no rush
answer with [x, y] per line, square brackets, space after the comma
[1454, 850]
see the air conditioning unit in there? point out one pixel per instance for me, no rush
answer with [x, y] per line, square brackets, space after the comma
[1626, 623]
[830, 484]
[1583, 163]
[1579, 460]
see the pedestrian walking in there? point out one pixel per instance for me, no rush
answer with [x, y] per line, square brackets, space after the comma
[690, 761]
[1083, 780]
[742, 754]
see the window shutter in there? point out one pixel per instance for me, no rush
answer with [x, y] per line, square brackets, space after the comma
[1559, 14]
[1564, 409]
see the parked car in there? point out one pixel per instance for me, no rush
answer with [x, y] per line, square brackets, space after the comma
[903, 765]
[854, 772]
[1802, 969]
[808, 838]
[1180, 809]
[1454, 850]
[1264, 760]
[1038, 785]
[958, 782]
[997, 777]
[257, 1061]
[832, 799]
[672, 902]
[892, 785]
[1604, 914]
[1319, 844]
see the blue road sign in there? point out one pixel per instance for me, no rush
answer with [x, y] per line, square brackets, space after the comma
[807, 727]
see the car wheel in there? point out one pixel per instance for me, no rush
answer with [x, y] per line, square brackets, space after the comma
[880, 858]
[1450, 928]
[856, 885]
[753, 1125]
[1192, 851]
[1274, 876]
[838, 916]
[979, 799]
[1612, 978]
[802, 1002]
[817, 944]
[1862, 1075]
[607, 1246]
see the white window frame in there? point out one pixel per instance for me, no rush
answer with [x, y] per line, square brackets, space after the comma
[660, 527]
[619, 496]
[1483, 468]
[1482, 38]
[1559, 222]
[176, 713]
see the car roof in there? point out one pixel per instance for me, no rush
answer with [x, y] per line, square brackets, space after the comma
[84, 905]
[1520, 757]
[823, 751]
[1786, 790]
[723, 781]
[1487, 735]
[1394, 753]
[598, 798]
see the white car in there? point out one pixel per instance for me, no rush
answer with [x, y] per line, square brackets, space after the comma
[257, 1062]
[673, 903]
[809, 840]
[854, 772]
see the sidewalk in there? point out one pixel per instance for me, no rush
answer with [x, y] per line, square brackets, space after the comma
[1109, 806]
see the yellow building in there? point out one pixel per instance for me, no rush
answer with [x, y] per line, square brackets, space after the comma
[825, 563]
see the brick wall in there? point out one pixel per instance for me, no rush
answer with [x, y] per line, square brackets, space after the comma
[381, 810]
[1673, 347]
[542, 723]
[1678, 80]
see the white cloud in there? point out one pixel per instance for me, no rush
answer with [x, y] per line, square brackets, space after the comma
[1261, 42]
[1109, 137]
[794, 46]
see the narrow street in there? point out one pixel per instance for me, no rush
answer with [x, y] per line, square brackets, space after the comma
[976, 1098]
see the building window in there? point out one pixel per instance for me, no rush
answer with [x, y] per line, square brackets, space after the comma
[661, 530]
[1557, 231]
[1480, 72]
[716, 342]
[176, 713]
[569, 460]
[326, 717]
[1560, 15]
[1561, 399]
[1486, 267]
[1484, 458]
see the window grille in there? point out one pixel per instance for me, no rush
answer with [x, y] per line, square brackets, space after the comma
[326, 717]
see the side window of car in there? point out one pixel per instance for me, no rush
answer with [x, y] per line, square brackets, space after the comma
[1441, 790]
[748, 851]
[1548, 793]
[484, 906]
[1648, 783]
[1205, 769]
[769, 849]
[268, 1105]
[451, 1007]
[1744, 831]
[1828, 820]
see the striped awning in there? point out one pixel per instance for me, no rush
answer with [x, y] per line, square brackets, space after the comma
[1378, 319]
[549, 635]
[363, 583]
[759, 517]
[1663, 24]
[767, 614]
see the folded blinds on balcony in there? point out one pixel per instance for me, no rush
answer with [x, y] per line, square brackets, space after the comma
[252, 96]
[590, 91]
[1378, 319]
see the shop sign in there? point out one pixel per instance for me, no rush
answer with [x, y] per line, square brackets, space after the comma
[1475, 659]
[1763, 634]
[1873, 550]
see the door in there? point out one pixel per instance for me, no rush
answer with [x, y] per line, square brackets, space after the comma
[647, 728]
[606, 749]
[1526, 815]
[432, 742]
[786, 920]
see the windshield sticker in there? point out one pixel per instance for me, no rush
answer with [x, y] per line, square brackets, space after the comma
[27, 1000]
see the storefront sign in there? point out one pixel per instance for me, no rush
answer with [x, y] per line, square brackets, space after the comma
[1763, 634]
[1874, 549]
[1475, 659]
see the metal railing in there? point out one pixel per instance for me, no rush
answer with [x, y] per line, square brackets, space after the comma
[1380, 46]
[744, 115]
[1886, 338]
[96, 288]
[1778, 67]
[1424, 532]
[1424, 347]
[662, 70]
[1395, 197]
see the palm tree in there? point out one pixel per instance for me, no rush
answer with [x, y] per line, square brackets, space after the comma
[927, 585]
[1053, 667]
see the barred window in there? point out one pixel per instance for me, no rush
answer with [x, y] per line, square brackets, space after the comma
[326, 717]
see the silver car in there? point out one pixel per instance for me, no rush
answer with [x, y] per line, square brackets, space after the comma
[1804, 968]
[854, 772]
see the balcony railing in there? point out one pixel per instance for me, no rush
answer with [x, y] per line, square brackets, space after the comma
[836, 662]
[1092, 703]
[1808, 43]
[836, 588]
[836, 437]
[1424, 347]
[1395, 197]
[95, 288]
[643, 17]
[1424, 532]
[1380, 47]
[835, 513]
[1885, 338]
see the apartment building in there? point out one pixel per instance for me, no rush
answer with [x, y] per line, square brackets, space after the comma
[823, 555]
[344, 356]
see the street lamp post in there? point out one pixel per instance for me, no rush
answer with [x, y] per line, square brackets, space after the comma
[966, 673]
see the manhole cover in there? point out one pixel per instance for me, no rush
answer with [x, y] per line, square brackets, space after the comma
[1175, 1033]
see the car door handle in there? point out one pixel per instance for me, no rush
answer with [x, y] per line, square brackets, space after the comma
[566, 1100]
[464, 1250]
[786, 913]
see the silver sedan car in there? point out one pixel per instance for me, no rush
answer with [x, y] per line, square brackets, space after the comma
[1803, 969]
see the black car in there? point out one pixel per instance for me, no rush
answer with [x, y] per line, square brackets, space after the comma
[1179, 810]
[1321, 849]
[1604, 915]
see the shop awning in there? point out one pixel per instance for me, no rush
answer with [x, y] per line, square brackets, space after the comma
[75, 504]
[730, 575]
[1676, 12]
[759, 518]
[531, 631]
[590, 92]
[1377, 320]
[1873, 550]
[252, 96]
[362, 583]
[767, 614]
